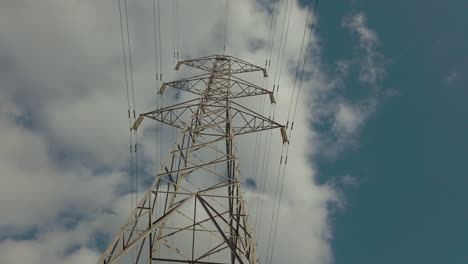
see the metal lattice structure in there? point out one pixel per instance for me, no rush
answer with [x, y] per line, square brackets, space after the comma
[194, 211]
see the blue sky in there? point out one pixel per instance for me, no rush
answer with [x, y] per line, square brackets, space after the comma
[377, 166]
[410, 203]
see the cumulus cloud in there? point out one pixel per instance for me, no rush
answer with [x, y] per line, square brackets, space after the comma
[64, 126]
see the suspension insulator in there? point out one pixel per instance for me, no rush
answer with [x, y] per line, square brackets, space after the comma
[284, 135]
[163, 87]
[137, 123]
[272, 98]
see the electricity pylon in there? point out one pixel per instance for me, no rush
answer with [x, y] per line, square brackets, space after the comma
[194, 211]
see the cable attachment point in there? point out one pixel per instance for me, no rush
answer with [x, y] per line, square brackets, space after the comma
[137, 123]
[163, 87]
[284, 135]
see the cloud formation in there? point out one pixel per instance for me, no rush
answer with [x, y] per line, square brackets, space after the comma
[372, 69]
[64, 130]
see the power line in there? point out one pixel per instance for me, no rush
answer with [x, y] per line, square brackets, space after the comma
[292, 124]
[277, 91]
[303, 65]
[284, 49]
[275, 16]
[160, 77]
[130, 57]
[269, 35]
[264, 172]
[281, 40]
[225, 27]
[128, 98]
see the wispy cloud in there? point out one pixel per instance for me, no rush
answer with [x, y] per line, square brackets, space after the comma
[452, 77]
[338, 118]
[349, 180]
[371, 64]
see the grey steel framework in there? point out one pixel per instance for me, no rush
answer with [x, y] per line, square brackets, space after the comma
[194, 211]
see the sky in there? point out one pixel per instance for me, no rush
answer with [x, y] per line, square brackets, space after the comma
[377, 162]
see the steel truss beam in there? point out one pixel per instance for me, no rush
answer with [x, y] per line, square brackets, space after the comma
[244, 120]
[237, 87]
[226, 64]
[196, 195]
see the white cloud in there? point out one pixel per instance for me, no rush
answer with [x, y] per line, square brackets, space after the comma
[371, 66]
[452, 77]
[64, 130]
[331, 108]
[349, 180]
[36, 188]
[348, 118]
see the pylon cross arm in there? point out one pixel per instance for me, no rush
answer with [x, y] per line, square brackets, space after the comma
[244, 120]
[237, 87]
[173, 115]
[229, 65]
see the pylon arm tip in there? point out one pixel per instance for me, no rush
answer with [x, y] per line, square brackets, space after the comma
[137, 123]
[284, 135]
[265, 74]
[163, 87]
[272, 98]
[178, 66]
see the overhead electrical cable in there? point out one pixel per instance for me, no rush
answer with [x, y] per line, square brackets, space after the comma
[269, 35]
[281, 43]
[253, 194]
[226, 27]
[256, 193]
[292, 124]
[130, 86]
[266, 146]
[130, 58]
[129, 51]
[158, 125]
[273, 34]
[161, 102]
[284, 49]
[274, 112]
[264, 172]
[178, 30]
[303, 67]
[128, 99]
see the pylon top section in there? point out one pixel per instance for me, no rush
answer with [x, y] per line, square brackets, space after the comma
[224, 65]
[216, 87]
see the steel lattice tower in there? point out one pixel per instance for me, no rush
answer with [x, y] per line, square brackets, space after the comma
[194, 211]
